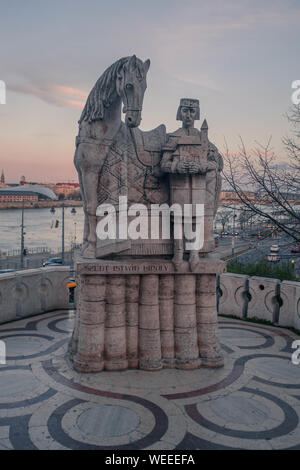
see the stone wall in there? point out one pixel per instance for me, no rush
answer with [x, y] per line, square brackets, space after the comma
[33, 291]
[259, 297]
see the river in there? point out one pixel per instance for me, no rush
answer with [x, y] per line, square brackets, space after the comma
[40, 228]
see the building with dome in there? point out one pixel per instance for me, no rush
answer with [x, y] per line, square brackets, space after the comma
[27, 193]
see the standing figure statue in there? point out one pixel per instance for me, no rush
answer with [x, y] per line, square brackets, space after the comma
[194, 165]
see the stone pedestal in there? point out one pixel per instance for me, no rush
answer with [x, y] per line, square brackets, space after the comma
[143, 314]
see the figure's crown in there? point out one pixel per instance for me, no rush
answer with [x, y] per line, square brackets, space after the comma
[189, 103]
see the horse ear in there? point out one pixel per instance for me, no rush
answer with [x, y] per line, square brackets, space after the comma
[146, 65]
[132, 62]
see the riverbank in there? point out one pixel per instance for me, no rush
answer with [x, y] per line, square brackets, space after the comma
[40, 204]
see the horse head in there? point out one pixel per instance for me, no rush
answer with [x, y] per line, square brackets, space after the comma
[130, 86]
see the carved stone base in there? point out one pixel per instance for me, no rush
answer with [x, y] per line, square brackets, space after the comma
[144, 314]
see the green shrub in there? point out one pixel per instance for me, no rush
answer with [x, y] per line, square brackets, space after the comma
[263, 268]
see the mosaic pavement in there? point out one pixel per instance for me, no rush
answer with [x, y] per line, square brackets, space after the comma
[253, 402]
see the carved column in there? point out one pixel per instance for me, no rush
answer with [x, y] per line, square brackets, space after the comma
[132, 320]
[149, 328]
[115, 325]
[166, 317]
[207, 321]
[186, 345]
[90, 334]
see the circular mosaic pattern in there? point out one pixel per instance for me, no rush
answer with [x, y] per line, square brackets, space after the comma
[253, 402]
[241, 337]
[277, 369]
[108, 421]
[238, 408]
[17, 383]
[20, 345]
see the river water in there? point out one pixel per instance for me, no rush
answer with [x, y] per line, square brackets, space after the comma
[40, 228]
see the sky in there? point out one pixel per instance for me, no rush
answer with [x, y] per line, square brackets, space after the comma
[238, 58]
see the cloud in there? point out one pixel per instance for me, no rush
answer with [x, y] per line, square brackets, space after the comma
[198, 42]
[57, 95]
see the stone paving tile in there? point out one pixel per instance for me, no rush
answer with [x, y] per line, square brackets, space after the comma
[5, 444]
[253, 402]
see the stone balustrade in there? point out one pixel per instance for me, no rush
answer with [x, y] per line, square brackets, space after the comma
[33, 291]
[259, 297]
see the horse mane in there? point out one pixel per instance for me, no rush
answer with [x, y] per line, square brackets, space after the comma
[103, 93]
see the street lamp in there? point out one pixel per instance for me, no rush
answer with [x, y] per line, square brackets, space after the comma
[233, 234]
[63, 235]
[75, 234]
[22, 235]
[73, 245]
[52, 210]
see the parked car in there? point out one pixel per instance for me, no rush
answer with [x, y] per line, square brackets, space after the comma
[52, 262]
[274, 248]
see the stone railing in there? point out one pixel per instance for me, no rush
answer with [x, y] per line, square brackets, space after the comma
[33, 291]
[260, 297]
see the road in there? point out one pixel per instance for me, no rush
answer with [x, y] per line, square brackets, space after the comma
[32, 261]
[261, 249]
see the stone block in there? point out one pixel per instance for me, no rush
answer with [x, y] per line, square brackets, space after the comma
[7, 298]
[289, 313]
[263, 303]
[54, 290]
[28, 292]
[33, 291]
[234, 289]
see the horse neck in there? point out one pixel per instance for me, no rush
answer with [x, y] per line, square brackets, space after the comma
[112, 118]
[106, 127]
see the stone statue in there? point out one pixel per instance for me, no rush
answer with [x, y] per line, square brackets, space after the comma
[136, 308]
[123, 82]
[194, 166]
[115, 158]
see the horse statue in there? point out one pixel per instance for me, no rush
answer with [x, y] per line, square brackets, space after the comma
[114, 158]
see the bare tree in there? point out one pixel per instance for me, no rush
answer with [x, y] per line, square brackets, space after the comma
[264, 187]
[245, 217]
[292, 143]
[223, 217]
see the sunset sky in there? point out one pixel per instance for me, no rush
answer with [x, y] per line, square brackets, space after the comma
[238, 58]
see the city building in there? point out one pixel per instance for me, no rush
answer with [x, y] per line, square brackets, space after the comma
[64, 189]
[67, 188]
[29, 193]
